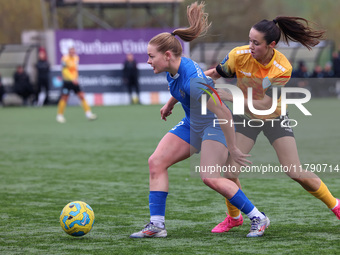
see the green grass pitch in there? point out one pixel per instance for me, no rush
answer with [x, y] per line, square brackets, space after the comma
[44, 165]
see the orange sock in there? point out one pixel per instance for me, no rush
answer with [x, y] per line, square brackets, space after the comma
[324, 195]
[85, 106]
[61, 106]
[232, 210]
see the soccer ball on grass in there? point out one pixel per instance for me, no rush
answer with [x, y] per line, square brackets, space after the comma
[77, 218]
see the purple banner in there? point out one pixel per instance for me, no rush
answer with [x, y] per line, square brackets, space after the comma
[106, 47]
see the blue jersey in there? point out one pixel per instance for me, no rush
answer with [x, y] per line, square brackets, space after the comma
[187, 86]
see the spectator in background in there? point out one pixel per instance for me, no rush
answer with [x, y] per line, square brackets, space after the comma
[336, 70]
[336, 64]
[2, 91]
[130, 77]
[317, 72]
[302, 71]
[316, 81]
[328, 70]
[22, 84]
[330, 83]
[320, 84]
[43, 72]
[300, 78]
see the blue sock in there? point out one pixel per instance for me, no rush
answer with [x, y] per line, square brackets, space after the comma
[240, 201]
[157, 200]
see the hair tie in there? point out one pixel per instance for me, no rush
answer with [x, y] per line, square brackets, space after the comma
[172, 34]
[275, 21]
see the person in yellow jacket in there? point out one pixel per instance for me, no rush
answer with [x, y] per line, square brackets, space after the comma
[69, 64]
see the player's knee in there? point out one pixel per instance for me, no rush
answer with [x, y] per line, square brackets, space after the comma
[208, 181]
[152, 161]
[232, 178]
[296, 176]
[156, 165]
[64, 97]
[301, 181]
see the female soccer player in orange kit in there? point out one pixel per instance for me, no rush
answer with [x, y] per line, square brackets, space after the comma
[260, 66]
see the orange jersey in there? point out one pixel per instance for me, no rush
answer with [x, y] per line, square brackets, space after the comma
[70, 67]
[250, 73]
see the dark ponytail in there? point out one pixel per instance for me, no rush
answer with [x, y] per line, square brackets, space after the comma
[295, 29]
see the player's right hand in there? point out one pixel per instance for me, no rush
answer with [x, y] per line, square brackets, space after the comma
[166, 110]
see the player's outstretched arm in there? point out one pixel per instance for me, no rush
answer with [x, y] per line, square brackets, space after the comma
[223, 113]
[212, 73]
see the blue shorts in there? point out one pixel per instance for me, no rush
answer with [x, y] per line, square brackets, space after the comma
[183, 131]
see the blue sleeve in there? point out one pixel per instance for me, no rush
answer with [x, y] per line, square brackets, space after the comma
[199, 86]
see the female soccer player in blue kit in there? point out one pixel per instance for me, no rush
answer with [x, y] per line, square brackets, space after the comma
[195, 132]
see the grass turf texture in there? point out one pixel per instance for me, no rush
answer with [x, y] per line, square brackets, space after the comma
[44, 165]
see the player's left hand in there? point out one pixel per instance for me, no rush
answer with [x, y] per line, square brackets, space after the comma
[239, 157]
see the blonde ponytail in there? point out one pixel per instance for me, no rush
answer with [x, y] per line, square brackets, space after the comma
[198, 21]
